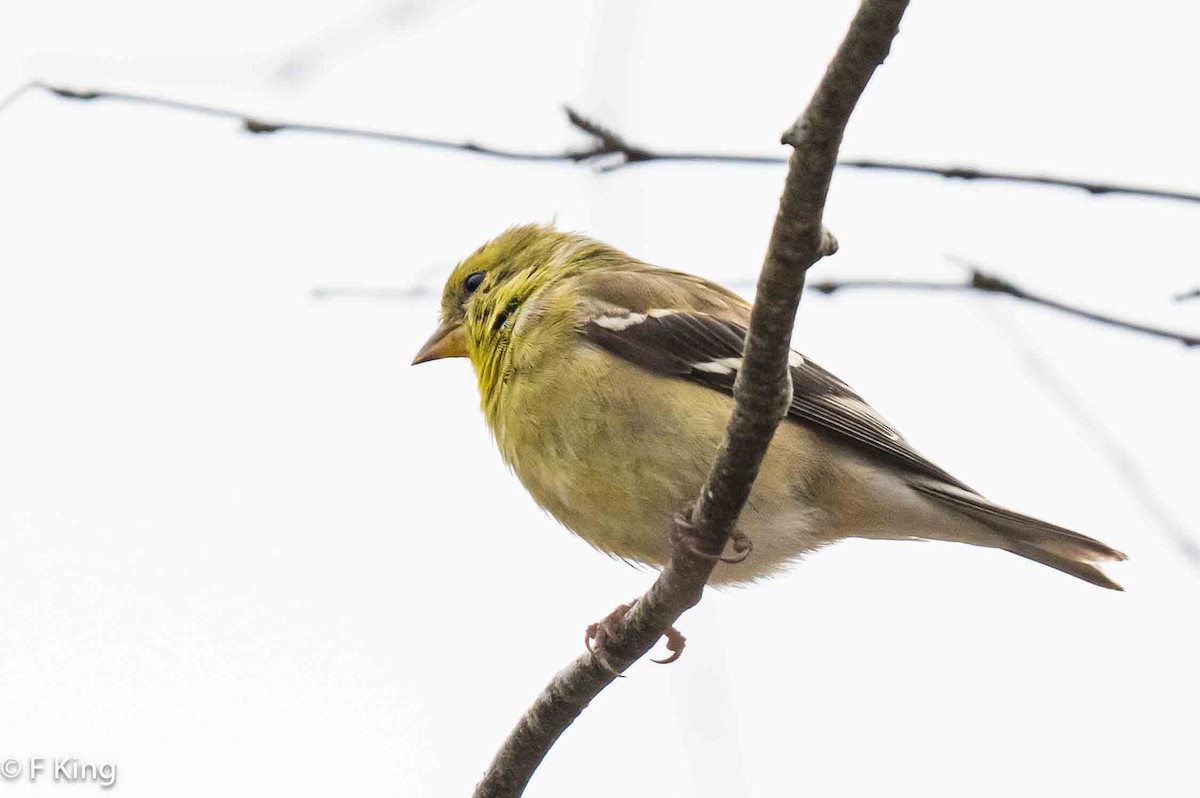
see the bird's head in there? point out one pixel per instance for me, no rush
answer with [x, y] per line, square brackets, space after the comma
[485, 291]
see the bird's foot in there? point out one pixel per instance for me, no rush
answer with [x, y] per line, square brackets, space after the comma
[683, 533]
[676, 642]
[595, 639]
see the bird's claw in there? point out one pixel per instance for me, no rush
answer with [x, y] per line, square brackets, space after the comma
[595, 639]
[742, 546]
[676, 642]
[684, 534]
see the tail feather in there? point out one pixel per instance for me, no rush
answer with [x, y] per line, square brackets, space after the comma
[1067, 551]
[1082, 570]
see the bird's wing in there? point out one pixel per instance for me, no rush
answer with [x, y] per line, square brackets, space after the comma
[685, 327]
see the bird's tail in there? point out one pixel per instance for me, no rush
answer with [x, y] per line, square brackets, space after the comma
[1067, 551]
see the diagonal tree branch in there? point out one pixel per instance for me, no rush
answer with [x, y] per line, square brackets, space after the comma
[1193, 294]
[761, 396]
[985, 282]
[608, 150]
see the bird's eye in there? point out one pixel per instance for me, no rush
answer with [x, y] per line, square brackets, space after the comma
[473, 281]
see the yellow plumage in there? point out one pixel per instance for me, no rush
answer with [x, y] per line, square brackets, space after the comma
[606, 383]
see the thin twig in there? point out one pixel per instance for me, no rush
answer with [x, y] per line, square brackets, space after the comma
[967, 173]
[1193, 294]
[761, 397]
[976, 282]
[608, 150]
[833, 286]
[989, 283]
[257, 125]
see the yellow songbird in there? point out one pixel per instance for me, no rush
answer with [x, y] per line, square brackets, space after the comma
[607, 383]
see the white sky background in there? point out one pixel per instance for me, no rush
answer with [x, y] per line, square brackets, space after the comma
[244, 548]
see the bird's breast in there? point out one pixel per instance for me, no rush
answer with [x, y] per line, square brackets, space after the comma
[605, 449]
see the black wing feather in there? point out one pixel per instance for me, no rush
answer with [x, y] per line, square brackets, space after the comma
[677, 344]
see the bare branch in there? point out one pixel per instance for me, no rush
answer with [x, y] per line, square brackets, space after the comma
[254, 124]
[608, 142]
[968, 173]
[977, 281]
[1193, 294]
[833, 286]
[608, 151]
[988, 283]
[761, 396]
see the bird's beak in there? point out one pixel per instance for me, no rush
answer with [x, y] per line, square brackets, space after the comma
[448, 340]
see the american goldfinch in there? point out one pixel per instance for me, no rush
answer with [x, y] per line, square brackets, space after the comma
[607, 384]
